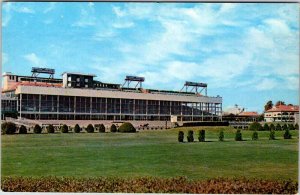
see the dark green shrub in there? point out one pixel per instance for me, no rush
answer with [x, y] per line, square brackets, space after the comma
[255, 126]
[9, 128]
[113, 128]
[278, 127]
[272, 127]
[201, 137]
[76, 128]
[101, 128]
[37, 129]
[272, 135]
[180, 136]
[266, 127]
[90, 128]
[50, 129]
[291, 127]
[221, 135]
[285, 127]
[238, 135]
[297, 126]
[3, 127]
[190, 137]
[255, 135]
[287, 134]
[127, 128]
[22, 130]
[64, 129]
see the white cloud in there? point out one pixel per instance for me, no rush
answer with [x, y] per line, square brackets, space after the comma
[118, 12]
[24, 10]
[267, 84]
[123, 25]
[86, 17]
[34, 59]
[50, 7]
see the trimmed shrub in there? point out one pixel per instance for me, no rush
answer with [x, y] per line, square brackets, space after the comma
[64, 129]
[3, 127]
[238, 135]
[50, 129]
[278, 127]
[190, 137]
[287, 134]
[266, 127]
[101, 128]
[221, 136]
[272, 135]
[285, 127]
[201, 137]
[127, 128]
[76, 128]
[272, 127]
[22, 130]
[255, 135]
[180, 136]
[291, 127]
[9, 128]
[297, 126]
[37, 129]
[113, 128]
[255, 126]
[90, 128]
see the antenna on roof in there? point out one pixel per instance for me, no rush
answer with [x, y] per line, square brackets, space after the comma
[130, 79]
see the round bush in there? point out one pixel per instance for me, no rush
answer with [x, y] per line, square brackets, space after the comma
[272, 135]
[266, 127]
[64, 129]
[37, 129]
[113, 128]
[221, 135]
[285, 127]
[272, 127]
[101, 128]
[90, 128]
[291, 127]
[255, 135]
[287, 134]
[22, 130]
[50, 129]
[127, 128]
[255, 126]
[9, 128]
[180, 136]
[190, 136]
[3, 127]
[201, 137]
[278, 127]
[77, 128]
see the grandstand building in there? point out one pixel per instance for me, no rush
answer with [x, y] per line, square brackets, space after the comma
[79, 97]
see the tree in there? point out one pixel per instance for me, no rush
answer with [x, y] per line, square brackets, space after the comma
[255, 135]
[77, 128]
[291, 127]
[50, 129]
[266, 127]
[279, 103]
[278, 127]
[255, 126]
[287, 134]
[296, 126]
[64, 129]
[201, 137]
[272, 135]
[113, 128]
[180, 136]
[190, 136]
[90, 128]
[238, 135]
[261, 117]
[22, 130]
[101, 128]
[37, 129]
[285, 127]
[290, 105]
[221, 135]
[272, 126]
[268, 105]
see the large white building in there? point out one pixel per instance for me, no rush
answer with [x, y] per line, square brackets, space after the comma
[282, 113]
[79, 97]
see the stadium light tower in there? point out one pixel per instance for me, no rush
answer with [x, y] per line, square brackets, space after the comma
[195, 87]
[130, 79]
[36, 71]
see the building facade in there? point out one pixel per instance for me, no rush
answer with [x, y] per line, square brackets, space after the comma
[86, 99]
[281, 113]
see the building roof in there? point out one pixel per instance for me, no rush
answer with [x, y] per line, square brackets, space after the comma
[77, 73]
[284, 108]
[253, 114]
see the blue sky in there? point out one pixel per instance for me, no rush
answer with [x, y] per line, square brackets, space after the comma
[247, 53]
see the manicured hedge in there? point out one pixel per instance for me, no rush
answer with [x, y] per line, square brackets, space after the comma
[22, 130]
[37, 129]
[127, 128]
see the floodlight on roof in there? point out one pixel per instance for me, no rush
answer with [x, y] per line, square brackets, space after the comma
[195, 86]
[137, 79]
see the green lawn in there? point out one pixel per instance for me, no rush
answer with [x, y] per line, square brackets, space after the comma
[150, 153]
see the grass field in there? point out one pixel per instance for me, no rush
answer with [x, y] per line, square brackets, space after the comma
[151, 153]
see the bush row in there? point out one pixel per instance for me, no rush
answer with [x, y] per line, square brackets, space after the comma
[238, 135]
[11, 128]
[255, 126]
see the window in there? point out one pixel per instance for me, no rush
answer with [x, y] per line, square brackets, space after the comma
[86, 86]
[86, 80]
[78, 79]
[69, 84]
[69, 78]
